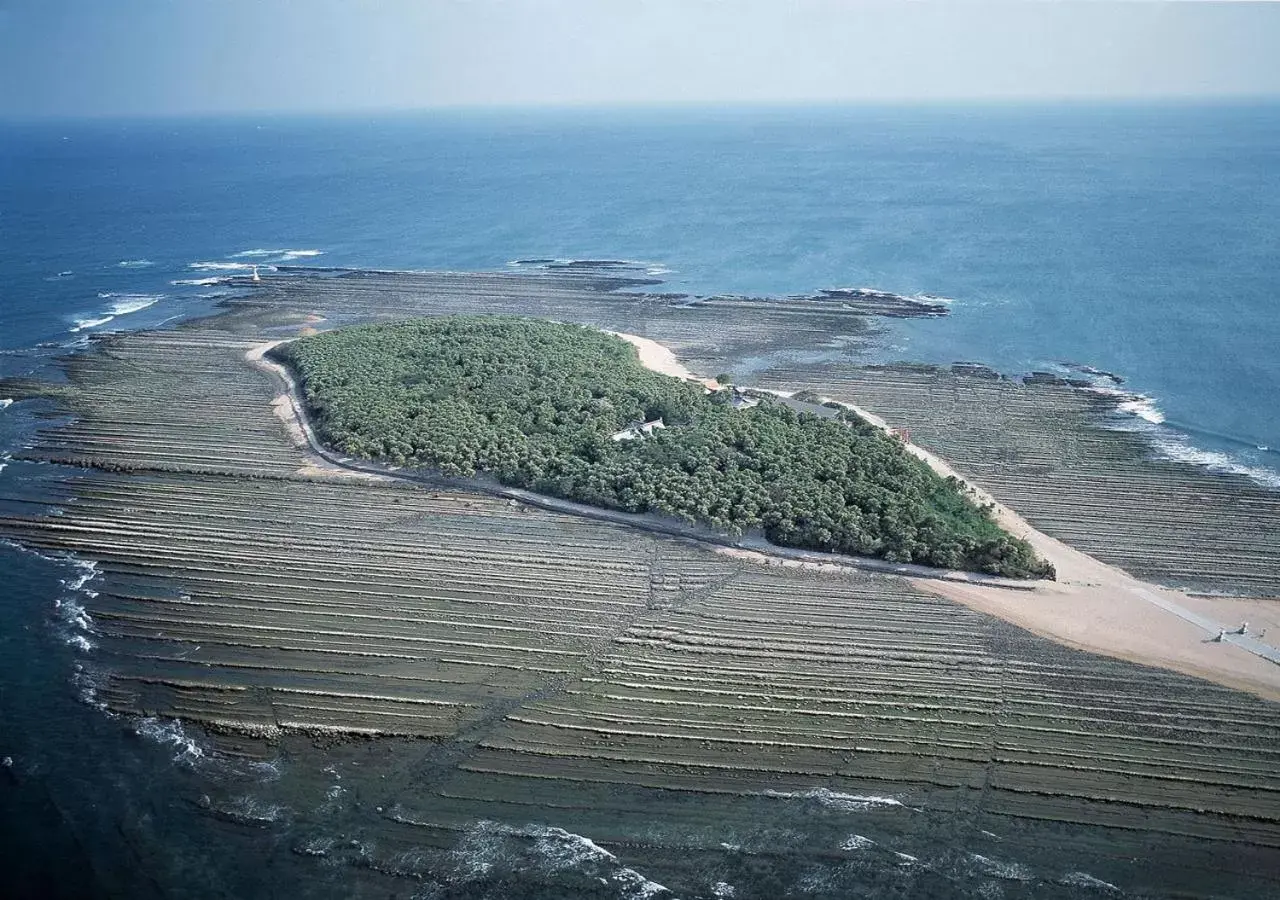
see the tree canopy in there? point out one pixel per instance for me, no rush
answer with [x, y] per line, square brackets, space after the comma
[536, 404]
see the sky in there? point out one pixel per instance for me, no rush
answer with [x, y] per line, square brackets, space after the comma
[181, 57]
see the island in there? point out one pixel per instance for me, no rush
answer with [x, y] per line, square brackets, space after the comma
[570, 411]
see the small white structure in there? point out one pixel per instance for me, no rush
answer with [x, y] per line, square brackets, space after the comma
[742, 401]
[638, 430]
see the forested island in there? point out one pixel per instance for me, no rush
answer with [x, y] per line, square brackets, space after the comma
[557, 408]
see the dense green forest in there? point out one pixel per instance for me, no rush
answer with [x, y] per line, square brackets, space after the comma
[537, 405]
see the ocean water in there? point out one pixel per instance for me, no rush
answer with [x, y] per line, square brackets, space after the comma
[1139, 240]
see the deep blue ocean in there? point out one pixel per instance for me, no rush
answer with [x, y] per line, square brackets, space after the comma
[1141, 240]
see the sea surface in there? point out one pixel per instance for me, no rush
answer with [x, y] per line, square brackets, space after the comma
[1139, 240]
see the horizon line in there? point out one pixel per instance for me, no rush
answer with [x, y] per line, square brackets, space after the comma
[1008, 102]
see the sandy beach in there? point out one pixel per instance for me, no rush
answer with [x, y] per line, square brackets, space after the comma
[1092, 606]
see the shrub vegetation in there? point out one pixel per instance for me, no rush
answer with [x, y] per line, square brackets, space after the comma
[536, 404]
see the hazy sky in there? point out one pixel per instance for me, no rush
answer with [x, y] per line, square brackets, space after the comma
[71, 57]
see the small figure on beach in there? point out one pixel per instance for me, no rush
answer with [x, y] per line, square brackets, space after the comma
[1222, 633]
[1244, 628]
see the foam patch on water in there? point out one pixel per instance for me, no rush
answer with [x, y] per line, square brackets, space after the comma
[1087, 881]
[130, 303]
[76, 623]
[169, 734]
[1143, 407]
[220, 266]
[836, 800]
[135, 263]
[87, 689]
[259, 252]
[1009, 871]
[1140, 414]
[252, 811]
[723, 890]
[857, 842]
[86, 322]
[123, 305]
[490, 847]
[1178, 448]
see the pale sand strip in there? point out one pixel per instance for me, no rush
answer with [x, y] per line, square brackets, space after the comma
[1092, 606]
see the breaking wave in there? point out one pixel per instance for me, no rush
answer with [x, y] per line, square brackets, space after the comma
[836, 800]
[123, 305]
[169, 734]
[1143, 408]
[90, 322]
[75, 621]
[1139, 413]
[130, 303]
[1087, 881]
[219, 266]
[1009, 871]
[135, 263]
[5, 402]
[491, 848]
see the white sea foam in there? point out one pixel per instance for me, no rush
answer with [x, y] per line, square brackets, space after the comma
[1149, 421]
[199, 282]
[857, 842]
[564, 849]
[1009, 871]
[283, 255]
[221, 266]
[553, 849]
[5, 402]
[87, 686]
[135, 263]
[1143, 408]
[77, 624]
[130, 303]
[88, 571]
[90, 322]
[635, 886]
[1085, 880]
[169, 734]
[906, 859]
[1175, 446]
[836, 800]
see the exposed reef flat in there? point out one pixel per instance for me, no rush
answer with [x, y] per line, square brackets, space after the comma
[656, 713]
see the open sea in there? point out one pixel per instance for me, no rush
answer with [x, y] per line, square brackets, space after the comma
[1139, 240]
